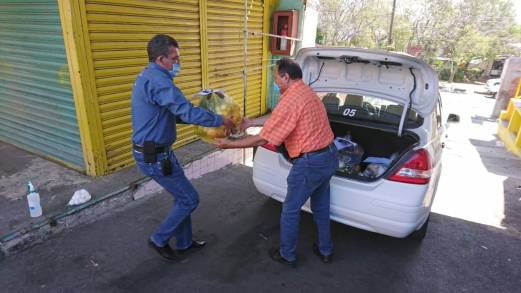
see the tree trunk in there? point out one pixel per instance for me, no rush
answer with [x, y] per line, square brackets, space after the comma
[451, 78]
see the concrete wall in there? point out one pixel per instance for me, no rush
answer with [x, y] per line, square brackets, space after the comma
[307, 28]
[509, 77]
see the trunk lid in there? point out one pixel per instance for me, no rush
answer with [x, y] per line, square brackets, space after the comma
[397, 77]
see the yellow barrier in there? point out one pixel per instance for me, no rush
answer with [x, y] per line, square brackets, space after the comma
[509, 125]
[518, 89]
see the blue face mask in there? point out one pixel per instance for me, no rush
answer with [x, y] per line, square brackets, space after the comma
[175, 70]
[276, 88]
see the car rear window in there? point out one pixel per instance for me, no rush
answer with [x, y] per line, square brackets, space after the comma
[367, 108]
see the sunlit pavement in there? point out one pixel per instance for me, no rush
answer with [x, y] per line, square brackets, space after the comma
[476, 166]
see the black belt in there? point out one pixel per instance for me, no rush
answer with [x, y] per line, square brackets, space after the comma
[324, 149]
[158, 150]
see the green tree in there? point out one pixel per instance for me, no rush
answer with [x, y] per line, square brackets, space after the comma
[456, 29]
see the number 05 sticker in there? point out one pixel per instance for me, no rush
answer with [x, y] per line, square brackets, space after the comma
[349, 112]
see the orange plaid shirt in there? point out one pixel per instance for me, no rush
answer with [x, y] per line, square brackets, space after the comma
[299, 121]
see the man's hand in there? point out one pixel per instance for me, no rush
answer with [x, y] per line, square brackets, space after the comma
[228, 124]
[222, 143]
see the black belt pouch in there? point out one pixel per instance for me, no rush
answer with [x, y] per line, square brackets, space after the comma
[166, 166]
[149, 152]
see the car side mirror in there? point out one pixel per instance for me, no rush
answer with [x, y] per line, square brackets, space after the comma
[453, 118]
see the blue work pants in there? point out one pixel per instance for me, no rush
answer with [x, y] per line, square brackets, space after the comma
[178, 222]
[308, 178]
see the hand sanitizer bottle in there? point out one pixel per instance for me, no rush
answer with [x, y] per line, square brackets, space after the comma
[33, 199]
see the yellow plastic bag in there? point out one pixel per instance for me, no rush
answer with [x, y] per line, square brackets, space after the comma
[220, 103]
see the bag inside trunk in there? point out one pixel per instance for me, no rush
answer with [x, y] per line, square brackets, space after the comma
[375, 151]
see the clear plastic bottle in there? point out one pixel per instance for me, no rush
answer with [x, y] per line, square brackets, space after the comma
[33, 199]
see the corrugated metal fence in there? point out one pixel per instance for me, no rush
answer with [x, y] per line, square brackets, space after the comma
[225, 50]
[106, 43]
[210, 35]
[119, 32]
[37, 109]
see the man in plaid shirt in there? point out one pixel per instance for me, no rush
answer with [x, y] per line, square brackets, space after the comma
[300, 122]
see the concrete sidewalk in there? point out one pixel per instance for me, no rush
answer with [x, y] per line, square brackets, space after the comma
[56, 185]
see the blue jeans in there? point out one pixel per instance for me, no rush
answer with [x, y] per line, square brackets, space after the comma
[178, 223]
[308, 178]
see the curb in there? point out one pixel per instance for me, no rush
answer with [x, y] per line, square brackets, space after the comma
[26, 237]
[23, 238]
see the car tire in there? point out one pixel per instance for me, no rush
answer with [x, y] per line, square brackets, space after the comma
[420, 233]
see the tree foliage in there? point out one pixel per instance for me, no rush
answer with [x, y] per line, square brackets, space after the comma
[456, 29]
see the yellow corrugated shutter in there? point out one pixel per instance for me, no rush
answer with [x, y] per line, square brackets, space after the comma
[119, 32]
[225, 20]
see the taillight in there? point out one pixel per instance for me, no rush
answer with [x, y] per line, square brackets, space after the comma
[417, 170]
[270, 147]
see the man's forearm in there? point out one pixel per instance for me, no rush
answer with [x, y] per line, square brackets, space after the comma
[249, 141]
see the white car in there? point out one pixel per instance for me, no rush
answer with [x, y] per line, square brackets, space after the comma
[492, 86]
[388, 107]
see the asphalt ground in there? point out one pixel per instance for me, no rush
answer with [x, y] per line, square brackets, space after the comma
[240, 225]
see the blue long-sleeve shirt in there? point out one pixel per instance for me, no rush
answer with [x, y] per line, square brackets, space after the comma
[156, 102]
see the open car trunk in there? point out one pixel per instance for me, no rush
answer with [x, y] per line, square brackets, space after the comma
[371, 152]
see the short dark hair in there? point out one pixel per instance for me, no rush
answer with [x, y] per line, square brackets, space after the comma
[286, 65]
[160, 45]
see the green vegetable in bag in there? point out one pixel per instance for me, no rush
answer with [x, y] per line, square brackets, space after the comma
[220, 103]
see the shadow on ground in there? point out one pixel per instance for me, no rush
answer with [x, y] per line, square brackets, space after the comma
[499, 161]
[240, 225]
[476, 119]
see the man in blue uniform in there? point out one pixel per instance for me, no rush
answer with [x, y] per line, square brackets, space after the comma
[156, 102]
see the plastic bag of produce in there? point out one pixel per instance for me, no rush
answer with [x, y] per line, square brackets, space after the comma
[374, 170]
[218, 102]
[377, 165]
[350, 154]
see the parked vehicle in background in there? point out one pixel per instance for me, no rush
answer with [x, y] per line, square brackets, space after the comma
[385, 111]
[497, 66]
[492, 86]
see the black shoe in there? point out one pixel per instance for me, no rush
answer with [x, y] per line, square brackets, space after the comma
[165, 252]
[275, 255]
[323, 258]
[196, 245]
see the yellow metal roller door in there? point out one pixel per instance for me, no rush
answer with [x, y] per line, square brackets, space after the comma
[225, 20]
[119, 32]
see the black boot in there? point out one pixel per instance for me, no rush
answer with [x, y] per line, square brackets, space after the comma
[196, 245]
[165, 252]
[275, 255]
[323, 258]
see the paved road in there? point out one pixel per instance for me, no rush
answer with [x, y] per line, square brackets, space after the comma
[473, 242]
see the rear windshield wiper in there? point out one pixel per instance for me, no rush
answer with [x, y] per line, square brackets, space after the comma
[352, 59]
